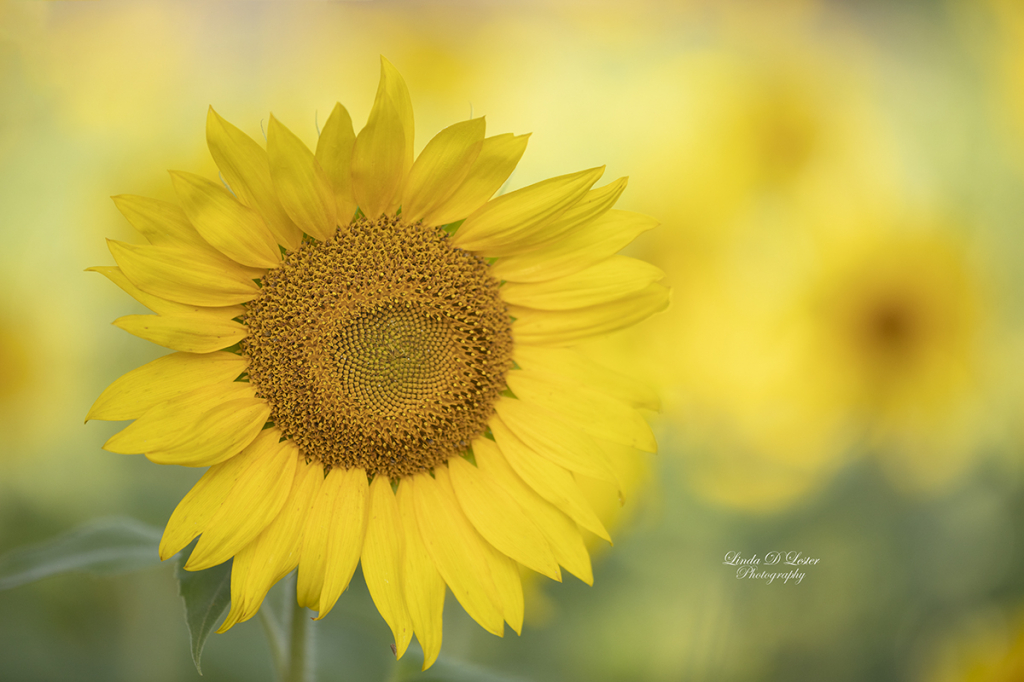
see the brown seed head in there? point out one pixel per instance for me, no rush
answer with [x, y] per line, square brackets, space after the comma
[384, 348]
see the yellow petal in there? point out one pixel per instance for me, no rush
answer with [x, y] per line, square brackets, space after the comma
[500, 520]
[348, 533]
[164, 379]
[162, 305]
[502, 221]
[313, 555]
[382, 155]
[551, 481]
[221, 433]
[253, 502]
[300, 182]
[154, 303]
[546, 434]
[586, 409]
[230, 226]
[382, 558]
[343, 543]
[498, 157]
[424, 586]
[505, 574]
[393, 85]
[188, 333]
[577, 249]
[275, 552]
[441, 167]
[170, 422]
[629, 464]
[603, 282]
[457, 549]
[199, 505]
[596, 203]
[569, 363]
[564, 328]
[561, 532]
[503, 570]
[334, 154]
[161, 223]
[246, 169]
[184, 275]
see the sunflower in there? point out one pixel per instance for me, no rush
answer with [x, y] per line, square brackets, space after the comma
[374, 359]
[904, 329]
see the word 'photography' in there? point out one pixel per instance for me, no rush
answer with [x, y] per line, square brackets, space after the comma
[755, 567]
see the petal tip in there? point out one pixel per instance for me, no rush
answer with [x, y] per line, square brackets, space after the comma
[164, 551]
[213, 117]
[227, 624]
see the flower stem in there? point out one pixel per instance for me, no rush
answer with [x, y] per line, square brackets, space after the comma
[300, 665]
[275, 638]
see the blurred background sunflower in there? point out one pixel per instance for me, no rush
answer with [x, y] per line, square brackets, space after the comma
[839, 186]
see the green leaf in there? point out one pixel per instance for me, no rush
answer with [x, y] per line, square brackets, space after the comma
[207, 595]
[111, 545]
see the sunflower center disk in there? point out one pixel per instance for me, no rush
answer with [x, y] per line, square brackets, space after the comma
[383, 348]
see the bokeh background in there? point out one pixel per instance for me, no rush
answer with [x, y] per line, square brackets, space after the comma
[841, 191]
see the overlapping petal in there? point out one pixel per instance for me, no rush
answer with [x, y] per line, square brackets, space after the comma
[218, 435]
[458, 550]
[246, 169]
[592, 205]
[254, 500]
[547, 434]
[565, 328]
[423, 586]
[160, 222]
[441, 167]
[275, 552]
[579, 405]
[185, 275]
[200, 504]
[331, 548]
[334, 154]
[499, 223]
[551, 481]
[199, 333]
[606, 281]
[228, 225]
[560, 530]
[162, 380]
[168, 423]
[500, 519]
[382, 154]
[571, 364]
[159, 305]
[498, 157]
[301, 184]
[382, 559]
[580, 248]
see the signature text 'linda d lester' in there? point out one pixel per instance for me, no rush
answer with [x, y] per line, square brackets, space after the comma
[750, 567]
